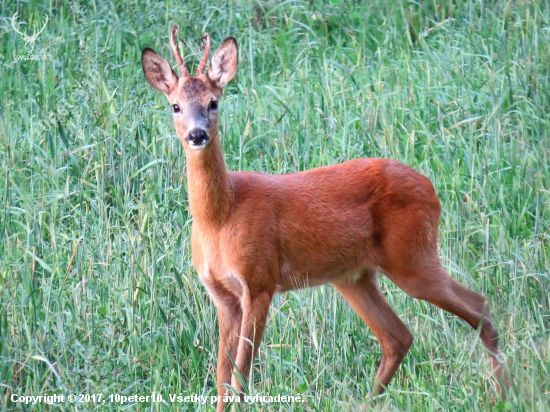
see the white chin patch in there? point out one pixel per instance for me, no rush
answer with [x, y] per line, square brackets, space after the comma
[197, 147]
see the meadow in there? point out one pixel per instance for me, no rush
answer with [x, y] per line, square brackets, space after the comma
[97, 291]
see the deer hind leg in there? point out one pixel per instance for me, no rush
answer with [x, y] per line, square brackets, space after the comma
[367, 300]
[432, 283]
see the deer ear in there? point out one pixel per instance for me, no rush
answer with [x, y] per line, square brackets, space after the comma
[224, 63]
[158, 72]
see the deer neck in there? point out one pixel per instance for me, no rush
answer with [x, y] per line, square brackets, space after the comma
[209, 190]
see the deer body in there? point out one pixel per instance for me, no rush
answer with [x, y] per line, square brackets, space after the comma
[255, 234]
[333, 230]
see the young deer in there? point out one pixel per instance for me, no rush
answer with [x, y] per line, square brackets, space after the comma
[255, 234]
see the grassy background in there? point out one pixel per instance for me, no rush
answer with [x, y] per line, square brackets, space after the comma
[97, 291]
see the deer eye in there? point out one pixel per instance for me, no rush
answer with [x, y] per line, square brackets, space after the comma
[213, 105]
[176, 108]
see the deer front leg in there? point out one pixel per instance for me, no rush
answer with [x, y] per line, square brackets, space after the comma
[229, 320]
[255, 309]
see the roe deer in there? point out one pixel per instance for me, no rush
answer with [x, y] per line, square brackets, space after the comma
[256, 234]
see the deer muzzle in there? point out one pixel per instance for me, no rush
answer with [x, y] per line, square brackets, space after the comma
[197, 139]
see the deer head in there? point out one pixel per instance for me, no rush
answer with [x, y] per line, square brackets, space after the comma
[29, 40]
[194, 100]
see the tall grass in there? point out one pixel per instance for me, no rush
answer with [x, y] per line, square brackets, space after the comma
[97, 290]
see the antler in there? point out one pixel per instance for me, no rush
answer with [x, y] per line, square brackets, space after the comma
[204, 60]
[35, 35]
[13, 19]
[25, 35]
[173, 42]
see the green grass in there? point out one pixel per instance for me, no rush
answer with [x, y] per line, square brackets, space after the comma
[97, 290]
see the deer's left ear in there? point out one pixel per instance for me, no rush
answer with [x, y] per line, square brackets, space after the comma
[224, 63]
[158, 72]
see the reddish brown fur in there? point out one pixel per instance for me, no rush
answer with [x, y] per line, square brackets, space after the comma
[256, 234]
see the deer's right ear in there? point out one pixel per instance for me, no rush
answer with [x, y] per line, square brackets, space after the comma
[158, 72]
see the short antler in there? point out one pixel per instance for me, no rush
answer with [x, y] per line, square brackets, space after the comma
[173, 42]
[204, 60]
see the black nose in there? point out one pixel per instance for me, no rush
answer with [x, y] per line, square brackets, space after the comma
[197, 137]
